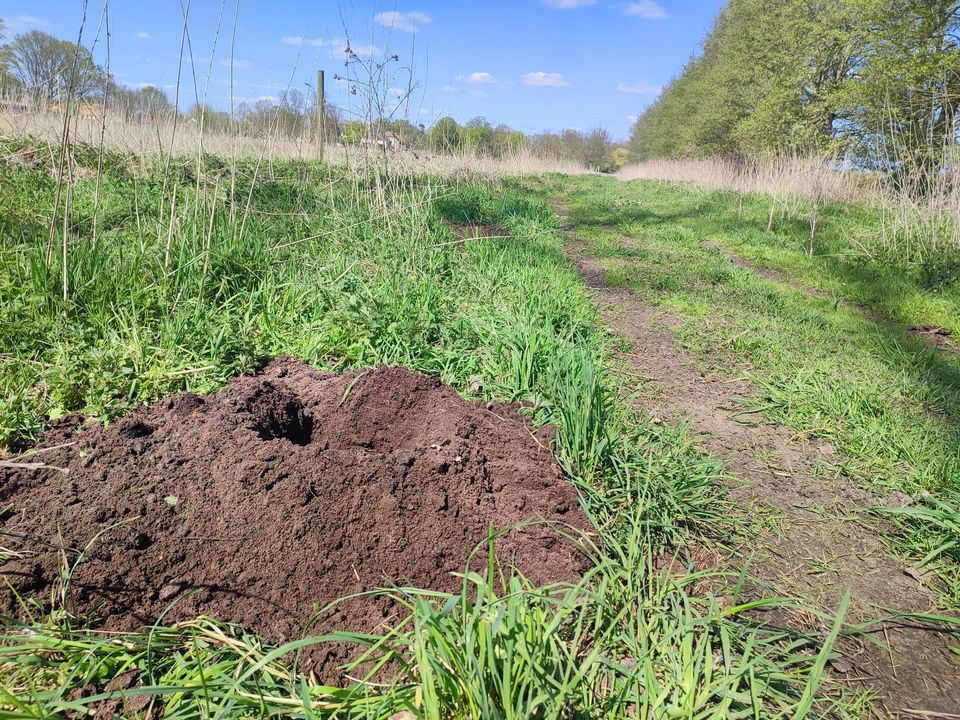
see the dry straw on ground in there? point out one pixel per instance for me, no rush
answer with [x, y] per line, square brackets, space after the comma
[184, 138]
[787, 176]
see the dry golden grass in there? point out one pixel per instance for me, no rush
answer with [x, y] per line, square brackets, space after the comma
[186, 139]
[806, 178]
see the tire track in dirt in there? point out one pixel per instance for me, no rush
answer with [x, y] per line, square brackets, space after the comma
[932, 336]
[824, 545]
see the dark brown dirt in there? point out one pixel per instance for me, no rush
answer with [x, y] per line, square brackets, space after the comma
[939, 336]
[466, 232]
[475, 230]
[816, 542]
[278, 494]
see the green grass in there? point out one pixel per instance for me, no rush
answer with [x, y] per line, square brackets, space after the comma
[197, 274]
[624, 641]
[930, 531]
[841, 365]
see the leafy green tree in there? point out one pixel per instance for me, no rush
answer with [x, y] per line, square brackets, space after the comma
[354, 131]
[145, 103]
[446, 136]
[619, 158]
[8, 83]
[478, 136]
[52, 69]
[903, 105]
[878, 80]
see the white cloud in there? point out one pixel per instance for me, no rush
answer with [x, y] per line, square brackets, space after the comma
[544, 79]
[142, 35]
[239, 64]
[639, 88]
[23, 23]
[300, 40]
[406, 21]
[631, 118]
[647, 9]
[567, 4]
[339, 45]
[477, 78]
[448, 89]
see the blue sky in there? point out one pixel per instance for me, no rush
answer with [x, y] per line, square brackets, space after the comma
[533, 64]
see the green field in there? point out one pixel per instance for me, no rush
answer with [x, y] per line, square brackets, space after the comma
[181, 276]
[828, 342]
[555, 360]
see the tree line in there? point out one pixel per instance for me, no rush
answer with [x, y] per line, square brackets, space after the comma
[42, 70]
[594, 149]
[873, 82]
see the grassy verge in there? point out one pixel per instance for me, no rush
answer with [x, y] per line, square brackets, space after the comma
[179, 277]
[840, 364]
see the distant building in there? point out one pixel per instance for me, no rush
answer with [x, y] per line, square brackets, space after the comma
[389, 141]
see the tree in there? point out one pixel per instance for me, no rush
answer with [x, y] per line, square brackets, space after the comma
[903, 107]
[211, 119]
[52, 69]
[597, 149]
[292, 113]
[152, 101]
[145, 103]
[446, 136]
[546, 145]
[406, 131]
[8, 83]
[505, 141]
[478, 136]
[619, 158]
[294, 102]
[875, 80]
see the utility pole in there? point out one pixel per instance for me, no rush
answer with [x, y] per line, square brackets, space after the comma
[321, 112]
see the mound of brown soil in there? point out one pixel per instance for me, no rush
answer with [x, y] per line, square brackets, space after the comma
[280, 493]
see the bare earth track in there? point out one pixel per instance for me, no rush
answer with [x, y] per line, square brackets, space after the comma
[817, 544]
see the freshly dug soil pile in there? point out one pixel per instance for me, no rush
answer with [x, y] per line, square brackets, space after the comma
[280, 493]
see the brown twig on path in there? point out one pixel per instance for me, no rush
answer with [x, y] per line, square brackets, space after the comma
[32, 466]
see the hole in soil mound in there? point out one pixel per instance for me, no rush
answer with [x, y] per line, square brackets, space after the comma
[277, 414]
[284, 491]
[134, 428]
[476, 230]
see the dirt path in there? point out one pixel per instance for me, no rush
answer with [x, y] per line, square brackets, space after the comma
[816, 543]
